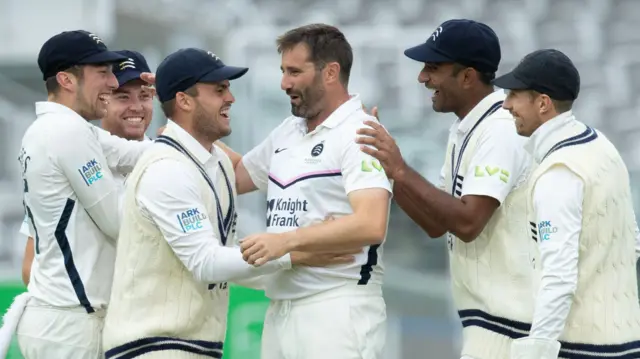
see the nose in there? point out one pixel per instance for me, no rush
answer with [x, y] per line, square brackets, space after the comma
[229, 98]
[135, 105]
[112, 82]
[423, 77]
[285, 83]
[507, 104]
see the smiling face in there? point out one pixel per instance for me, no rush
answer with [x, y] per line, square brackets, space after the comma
[302, 82]
[92, 90]
[525, 107]
[129, 111]
[211, 118]
[443, 79]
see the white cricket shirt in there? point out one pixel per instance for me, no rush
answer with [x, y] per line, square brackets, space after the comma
[71, 201]
[120, 178]
[557, 199]
[307, 177]
[498, 147]
[168, 194]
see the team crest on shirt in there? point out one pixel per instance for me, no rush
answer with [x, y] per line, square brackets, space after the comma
[191, 220]
[91, 172]
[315, 152]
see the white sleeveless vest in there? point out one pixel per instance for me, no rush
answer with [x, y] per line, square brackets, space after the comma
[492, 275]
[156, 304]
[604, 320]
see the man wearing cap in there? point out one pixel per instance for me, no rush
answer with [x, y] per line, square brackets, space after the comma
[581, 215]
[129, 114]
[130, 109]
[479, 202]
[71, 199]
[174, 254]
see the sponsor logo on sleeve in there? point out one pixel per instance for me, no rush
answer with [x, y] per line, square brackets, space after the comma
[370, 166]
[91, 172]
[492, 171]
[546, 230]
[191, 220]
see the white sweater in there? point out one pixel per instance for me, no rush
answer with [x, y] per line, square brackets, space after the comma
[604, 320]
[156, 303]
[497, 266]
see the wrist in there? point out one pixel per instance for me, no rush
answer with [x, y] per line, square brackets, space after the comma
[401, 173]
[286, 261]
[290, 240]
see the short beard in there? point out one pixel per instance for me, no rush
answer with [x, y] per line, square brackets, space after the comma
[205, 127]
[310, 100]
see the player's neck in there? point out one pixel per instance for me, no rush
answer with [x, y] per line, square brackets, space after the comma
[473, 99]
[331, 104]
[64, 101]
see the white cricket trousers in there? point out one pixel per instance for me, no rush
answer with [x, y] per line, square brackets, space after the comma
[348, 322]
[47, 332]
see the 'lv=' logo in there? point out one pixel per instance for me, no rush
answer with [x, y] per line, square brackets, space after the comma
[491, 171]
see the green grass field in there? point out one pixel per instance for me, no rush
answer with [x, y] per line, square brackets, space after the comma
[244, 327]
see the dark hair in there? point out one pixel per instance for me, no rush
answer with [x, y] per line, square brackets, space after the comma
[168, 107]
[485, 77]
[325, 43]
[52, 85]
[560, 105]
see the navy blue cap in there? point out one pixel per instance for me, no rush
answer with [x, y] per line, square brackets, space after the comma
[72, 48]
[467, 42]
[131, 68]
[548, 72]
[186, 67]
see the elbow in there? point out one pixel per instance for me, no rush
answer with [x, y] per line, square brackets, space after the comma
[374, 234]
[435, 232]
[468, 232]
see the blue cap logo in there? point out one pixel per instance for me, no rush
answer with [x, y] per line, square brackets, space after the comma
[215, 57]
[95, 38]
[436, 33]
[127, 64]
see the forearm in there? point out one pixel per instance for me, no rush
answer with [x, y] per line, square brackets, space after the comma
[552, 306]
[225, 264]
[106, 214]
[431, 207]
[27, 261]
[344, 233]
[411, 206]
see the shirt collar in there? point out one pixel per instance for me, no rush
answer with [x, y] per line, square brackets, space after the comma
[541, 141]
[341, 113]
[191, 144]
[45, 107]
[476, 113]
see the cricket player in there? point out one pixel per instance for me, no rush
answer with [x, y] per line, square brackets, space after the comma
[480, 201]
[129, 114]
[175, 254]
[310, 167]
[581, 215]
[71, 199]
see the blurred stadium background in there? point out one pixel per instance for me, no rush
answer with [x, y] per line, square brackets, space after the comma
[601, 36]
